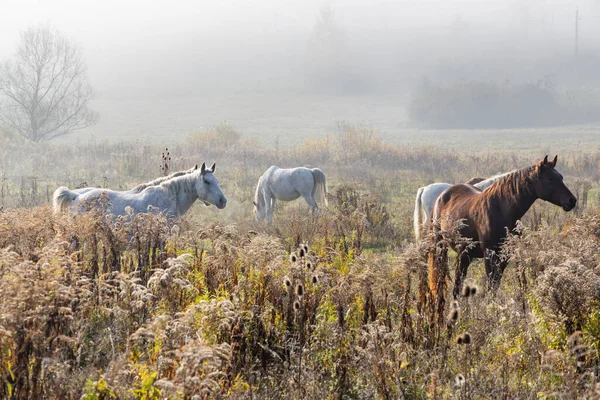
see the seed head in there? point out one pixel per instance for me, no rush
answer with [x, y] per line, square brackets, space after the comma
[287, 282]
[300, 290]
[315, 279]
[453, 315]
[466, 291]
[473, 290]
[459, 380]
[459, 339]
[296, 306]
[301, 252]
[308, 265]
[466, 338]
[293, 258]
[305, 246]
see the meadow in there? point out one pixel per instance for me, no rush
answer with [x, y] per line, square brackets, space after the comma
[334, 308]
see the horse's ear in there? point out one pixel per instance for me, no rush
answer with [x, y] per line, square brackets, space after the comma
[546, 160]
[212, 168]
[195, 167]
[203, 169]
[555, 161]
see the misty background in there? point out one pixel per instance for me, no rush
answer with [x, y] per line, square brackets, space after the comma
[293, 68]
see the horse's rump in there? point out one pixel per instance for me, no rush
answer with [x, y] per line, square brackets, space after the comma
[62, 199]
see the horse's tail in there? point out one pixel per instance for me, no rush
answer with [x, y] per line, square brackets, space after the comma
[320, 188]
[62, 199]
[418, 221]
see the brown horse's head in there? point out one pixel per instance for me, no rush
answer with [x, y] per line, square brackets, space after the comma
[549, 185]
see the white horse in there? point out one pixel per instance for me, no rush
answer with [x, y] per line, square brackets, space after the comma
[287, 185]
[173, 197]
[427, 195]
[143, 186]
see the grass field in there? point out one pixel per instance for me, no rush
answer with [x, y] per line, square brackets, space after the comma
[102, 310]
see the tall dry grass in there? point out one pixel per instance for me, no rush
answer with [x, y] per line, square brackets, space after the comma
[219, 306]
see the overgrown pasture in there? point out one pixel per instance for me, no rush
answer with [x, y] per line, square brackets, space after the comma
[217, 305]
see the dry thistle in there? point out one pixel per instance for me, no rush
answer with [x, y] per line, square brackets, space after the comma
[296, 306]
[315, 279]
[466, 291]
[305, 247]
[300, 290]
[459, 380]
[301, 252]
[308, 265]
[453, 317]
[287, 282]
[454, 310]
[465, 338]
[473, 290]
[293, 258]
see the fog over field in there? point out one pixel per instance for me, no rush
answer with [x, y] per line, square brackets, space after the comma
[296, 67]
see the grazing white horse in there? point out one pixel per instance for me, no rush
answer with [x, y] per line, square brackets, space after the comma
[143, 186]
[174, 197]
[287, 185]
[427, 195]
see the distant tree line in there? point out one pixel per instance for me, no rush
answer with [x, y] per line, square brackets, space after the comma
[500, 105]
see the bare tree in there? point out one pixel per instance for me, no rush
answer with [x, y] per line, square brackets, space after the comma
[44, 92]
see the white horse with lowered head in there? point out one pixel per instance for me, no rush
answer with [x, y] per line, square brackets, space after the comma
[427, 195]
[286, 185]
[173, 197]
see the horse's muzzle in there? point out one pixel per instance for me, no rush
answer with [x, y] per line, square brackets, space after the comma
[222, 203]
[570, 204]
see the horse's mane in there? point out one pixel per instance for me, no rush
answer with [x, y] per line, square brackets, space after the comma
[511, 183]
[492, 179]
[160, 180]
[185, 182]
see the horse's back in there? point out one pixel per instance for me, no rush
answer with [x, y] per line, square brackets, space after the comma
[118, 201]
[288, 184]
[459, 194]
[457, 202]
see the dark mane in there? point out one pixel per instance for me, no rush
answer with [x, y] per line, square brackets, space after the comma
[512, 184]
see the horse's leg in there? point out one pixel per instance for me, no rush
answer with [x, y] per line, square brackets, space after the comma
[461, 272]
[494, 269]
[312, 203]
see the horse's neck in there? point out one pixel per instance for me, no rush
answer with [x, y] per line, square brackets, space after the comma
[517, 195]
[184, 190]
[185, 200]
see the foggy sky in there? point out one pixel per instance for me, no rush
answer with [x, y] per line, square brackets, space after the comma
[127, 43]
[169, 49]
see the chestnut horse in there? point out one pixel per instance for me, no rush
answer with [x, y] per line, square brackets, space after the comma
[487, 215]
